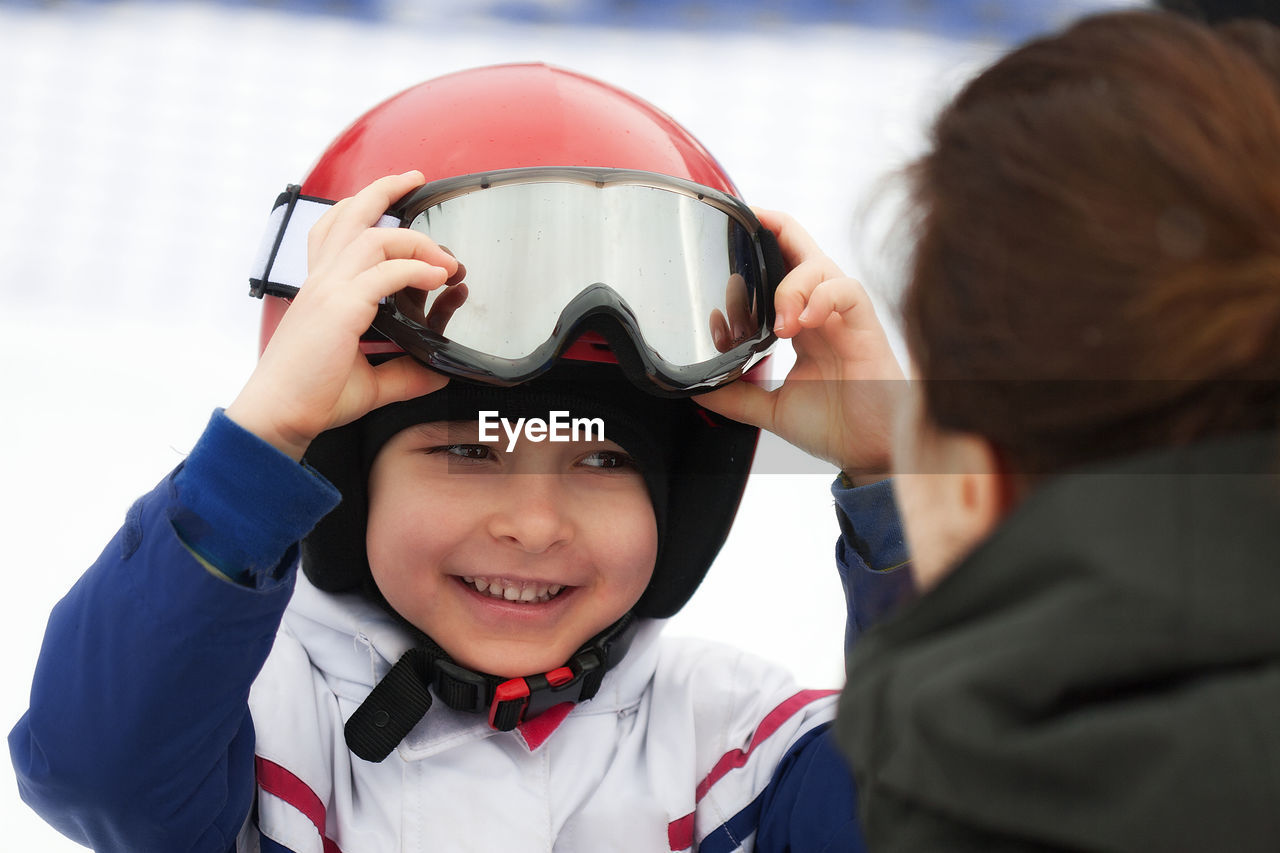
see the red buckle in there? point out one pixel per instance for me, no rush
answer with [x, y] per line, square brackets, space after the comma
[559, 677]
[512, 690]
[512, 697]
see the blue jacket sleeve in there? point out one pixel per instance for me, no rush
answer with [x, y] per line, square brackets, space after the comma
[871, 555]
[811, 804]
[138, 736]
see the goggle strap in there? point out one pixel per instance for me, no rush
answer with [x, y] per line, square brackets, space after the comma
[280, 265]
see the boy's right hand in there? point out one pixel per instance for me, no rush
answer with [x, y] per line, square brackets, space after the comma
[312, 375]
[838, 398]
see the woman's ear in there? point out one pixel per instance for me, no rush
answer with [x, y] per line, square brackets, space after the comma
[959, 503]
[952, 487]
[987, 492]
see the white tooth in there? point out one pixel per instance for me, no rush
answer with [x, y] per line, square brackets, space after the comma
[468, 580]
[528, 594]
[511, 593]
[554, 589]
[481, 584]
[541, 590]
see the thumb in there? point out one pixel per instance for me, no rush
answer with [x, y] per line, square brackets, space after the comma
[743, 402]
[404, 378]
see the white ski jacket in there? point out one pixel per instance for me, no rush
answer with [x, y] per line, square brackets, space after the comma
[682, 737]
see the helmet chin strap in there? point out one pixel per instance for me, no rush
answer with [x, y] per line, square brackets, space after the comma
[403, 696]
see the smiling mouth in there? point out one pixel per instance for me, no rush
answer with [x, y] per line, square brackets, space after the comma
[518, 592]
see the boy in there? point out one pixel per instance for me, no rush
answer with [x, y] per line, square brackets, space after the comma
[470, 657]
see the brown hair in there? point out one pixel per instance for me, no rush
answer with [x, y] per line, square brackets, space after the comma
[1097, 267]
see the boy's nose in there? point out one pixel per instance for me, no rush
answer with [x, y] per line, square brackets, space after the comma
[533, 514]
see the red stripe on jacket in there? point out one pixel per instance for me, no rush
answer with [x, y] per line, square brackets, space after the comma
[680, 831]
[279, 782]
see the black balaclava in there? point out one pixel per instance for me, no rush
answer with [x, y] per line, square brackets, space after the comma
[663, 435]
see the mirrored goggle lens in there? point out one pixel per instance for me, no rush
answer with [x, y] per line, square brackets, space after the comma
[684, 275]
[684, 270]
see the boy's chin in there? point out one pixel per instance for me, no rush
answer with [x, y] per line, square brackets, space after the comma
[513, 661]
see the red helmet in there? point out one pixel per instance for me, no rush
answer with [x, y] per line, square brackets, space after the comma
[509, 117]
[527, 116]
[504, 117]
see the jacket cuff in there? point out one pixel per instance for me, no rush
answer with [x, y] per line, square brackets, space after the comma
[241, 504]
[871, 555]
[869, 524]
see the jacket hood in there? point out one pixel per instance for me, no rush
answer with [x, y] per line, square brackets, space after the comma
[1103, 673]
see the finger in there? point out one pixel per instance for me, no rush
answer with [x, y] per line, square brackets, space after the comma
[352, 307]
[797, 245]
[412, 304]
[741, 401]
[792, 296]
[319, 232]
[366, 207]
[459, 277]
[461, 273]
[351, 216]
[720, 335]
[736, 301]
[404, 379]
[843, 296]
[376, 248]
[443, 308]
[376, 244]
[394, 275]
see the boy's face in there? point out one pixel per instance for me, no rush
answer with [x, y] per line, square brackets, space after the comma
[564, 532]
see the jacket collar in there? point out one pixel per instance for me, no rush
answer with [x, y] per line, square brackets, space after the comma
[354, 642]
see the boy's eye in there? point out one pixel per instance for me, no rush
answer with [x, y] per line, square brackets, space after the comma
[463, 451]
[609, 459]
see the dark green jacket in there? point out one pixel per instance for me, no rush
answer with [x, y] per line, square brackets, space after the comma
[1101, 674]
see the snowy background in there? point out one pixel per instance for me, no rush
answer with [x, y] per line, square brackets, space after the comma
[141, 145]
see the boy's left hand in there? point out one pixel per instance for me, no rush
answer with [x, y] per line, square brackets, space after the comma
[836, 403]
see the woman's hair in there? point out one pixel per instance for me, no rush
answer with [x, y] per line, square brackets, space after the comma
[1097, 265]
[1215, 11]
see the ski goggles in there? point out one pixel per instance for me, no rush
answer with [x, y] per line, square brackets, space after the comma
[676, 278]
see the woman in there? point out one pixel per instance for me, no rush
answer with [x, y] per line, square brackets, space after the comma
[1088, 470]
